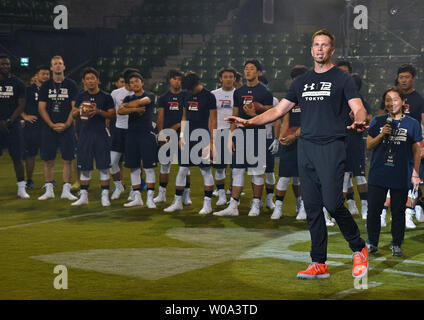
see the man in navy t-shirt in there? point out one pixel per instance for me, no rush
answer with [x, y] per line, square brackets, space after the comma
[31, 116]
[93, 138]
[324, 95]
[12, 103]
[252, 91]
[170, 111]
[199, 115]
[55, 104]
[140, 143]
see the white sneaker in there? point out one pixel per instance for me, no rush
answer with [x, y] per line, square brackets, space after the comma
[231, 210]
[82, 200]
[352, 207]
[105, 198]
[131, 195]
[222, 198]
[136, 202]
[255, 208]
[119, 189]
[409, 223]
[207, 206]
[383, 218]
[49, 194]
[161, 197]
[278, 212]
[302, 212]
[328, 220]
[150, 202]
[268, 202]
[66, 192]
[21, 190]
[364, 209]
[419, 213]
[186, 197]
[215, 193]
[177, 205]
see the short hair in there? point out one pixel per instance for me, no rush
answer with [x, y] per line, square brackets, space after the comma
[407, 68]
[127, 72]
[42, 67]
[263, 79]
[255, 62]
[190, 80]
[90, 70]
[297, 71]
[325, 32]
[174, 73]
[119, 76]
[227, 69]
[56, 58]
[344, 63]
[4, 56]
[358, 81]
[395, 89]
[135, 75]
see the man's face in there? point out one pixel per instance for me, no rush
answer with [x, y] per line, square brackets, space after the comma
[43, 75]
[406, 80]
[136, 84]
[321, 49]
[175, 83]
[227, 79]
[250, 72]
[5, 66]
[57, 66]
[120, 83]
[91, 82]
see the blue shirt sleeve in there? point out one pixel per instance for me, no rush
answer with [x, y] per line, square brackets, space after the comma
[291, 94]
[374, 128]
[212, 101]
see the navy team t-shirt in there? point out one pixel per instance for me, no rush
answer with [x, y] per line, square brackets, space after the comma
[394, 176]
[59, 97]
[103, 101]
[137, 122]
[323, 99]
[198, 108]
[172, 105]
[245, 95]
[414, 105]
[11, 90]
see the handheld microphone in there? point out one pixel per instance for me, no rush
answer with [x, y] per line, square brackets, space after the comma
[389, 120]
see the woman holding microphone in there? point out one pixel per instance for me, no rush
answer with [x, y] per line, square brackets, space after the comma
[395, 161]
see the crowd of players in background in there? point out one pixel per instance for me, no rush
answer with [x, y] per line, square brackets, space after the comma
[121, 129]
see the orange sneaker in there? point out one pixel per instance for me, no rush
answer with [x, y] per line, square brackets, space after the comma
[360, 263]
[314, 271]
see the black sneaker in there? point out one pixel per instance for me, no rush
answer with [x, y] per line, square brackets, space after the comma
[372, 248]
[396, 251]
[30, 184]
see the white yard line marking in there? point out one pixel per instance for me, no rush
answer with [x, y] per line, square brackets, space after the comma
[60, 219]
[345, 293]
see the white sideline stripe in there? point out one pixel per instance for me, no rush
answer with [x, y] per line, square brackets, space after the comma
[60, 219]
[345, 293]
[404, 272]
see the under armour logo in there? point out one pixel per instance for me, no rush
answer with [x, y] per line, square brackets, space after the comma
[311, 87]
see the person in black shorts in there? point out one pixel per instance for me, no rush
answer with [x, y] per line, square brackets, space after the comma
[12, 103]
[140, 141]
[199, 114]
[93, 139]
[324, 95]
[288, 156]
[32, 129]
[55, 104]
[170, 112]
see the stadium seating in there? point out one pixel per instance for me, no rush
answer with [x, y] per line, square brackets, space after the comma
[36, 12]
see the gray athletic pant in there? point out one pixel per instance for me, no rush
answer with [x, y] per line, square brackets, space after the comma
[321, 171]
